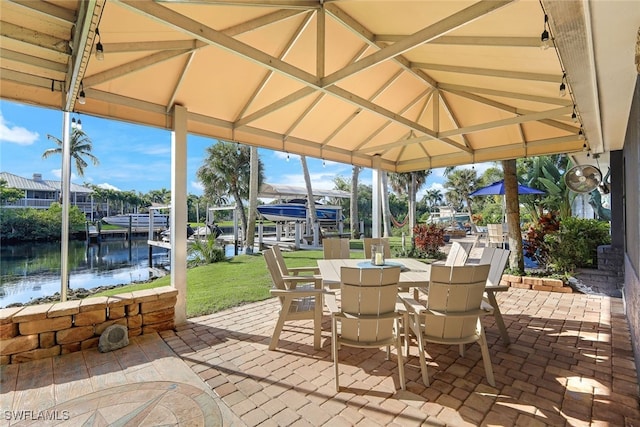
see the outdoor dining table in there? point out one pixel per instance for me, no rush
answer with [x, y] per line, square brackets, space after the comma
[413, 273]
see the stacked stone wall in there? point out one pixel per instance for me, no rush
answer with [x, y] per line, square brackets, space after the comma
[45, 330]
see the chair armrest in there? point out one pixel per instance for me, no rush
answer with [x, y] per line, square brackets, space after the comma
[499, 288]
[331, 303]
[295, 271]
[293, 281]
[412, 305]
[296, 293]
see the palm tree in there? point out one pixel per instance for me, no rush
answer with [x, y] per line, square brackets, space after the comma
[459, 184]
[226, 171]
[80, 146]
[409, 184]
[516, 258]
[161, 197]
[433, 197]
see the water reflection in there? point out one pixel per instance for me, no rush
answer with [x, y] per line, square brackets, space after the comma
[32, 270]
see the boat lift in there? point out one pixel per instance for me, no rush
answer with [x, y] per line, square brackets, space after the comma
[301, 231]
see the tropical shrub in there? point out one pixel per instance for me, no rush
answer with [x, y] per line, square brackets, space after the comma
[576, 244]
[428, 239]
[535, 247]
[205, 251]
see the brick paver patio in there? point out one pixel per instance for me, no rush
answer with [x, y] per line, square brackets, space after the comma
[570, 363]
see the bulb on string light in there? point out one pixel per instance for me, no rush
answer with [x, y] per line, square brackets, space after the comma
[544, 37]
[563, 86]
[287, 157]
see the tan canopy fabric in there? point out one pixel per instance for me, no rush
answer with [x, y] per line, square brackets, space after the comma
[415, 84]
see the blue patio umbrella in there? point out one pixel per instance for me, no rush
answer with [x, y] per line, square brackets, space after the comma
[497, 189]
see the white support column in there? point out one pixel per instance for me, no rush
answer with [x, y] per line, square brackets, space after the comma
[376, 198]
[65, 187]
[179, 211]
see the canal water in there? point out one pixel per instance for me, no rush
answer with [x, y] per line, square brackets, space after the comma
[32, 270]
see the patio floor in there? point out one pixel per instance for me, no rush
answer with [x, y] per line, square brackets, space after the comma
[570, 363]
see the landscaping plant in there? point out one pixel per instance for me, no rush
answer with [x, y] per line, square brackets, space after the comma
[576, 244]
[428, 239]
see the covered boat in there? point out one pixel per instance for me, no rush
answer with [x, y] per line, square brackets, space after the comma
[138, 220]
[296, 210]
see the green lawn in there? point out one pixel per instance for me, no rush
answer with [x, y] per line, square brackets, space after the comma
[242, 279]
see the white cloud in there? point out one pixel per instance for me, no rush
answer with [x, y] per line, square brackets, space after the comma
[108, 186]
[16, 134]
[197, 185]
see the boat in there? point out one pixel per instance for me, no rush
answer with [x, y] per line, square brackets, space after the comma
[296, 210]
[138, 220]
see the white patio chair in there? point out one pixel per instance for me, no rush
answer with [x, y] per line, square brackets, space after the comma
[367, 315]
[335, 248]
[497, 259]
[368, 241]
[452, 312]
[496, 235]
[458, 254]
[296, 303]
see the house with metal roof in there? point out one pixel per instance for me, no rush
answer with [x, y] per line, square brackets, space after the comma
[40, 193]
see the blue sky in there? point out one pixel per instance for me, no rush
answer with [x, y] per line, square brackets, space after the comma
[136, 157]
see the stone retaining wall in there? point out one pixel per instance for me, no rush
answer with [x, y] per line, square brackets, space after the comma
[535, 283]
[46, 330]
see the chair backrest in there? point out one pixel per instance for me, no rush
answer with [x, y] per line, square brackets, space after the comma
[274, 269]
[458, 253]
[277, 253]
[497, 258]
[453, 292]
[367, 295]
[368, 241]
[335, 248]
[495, 233]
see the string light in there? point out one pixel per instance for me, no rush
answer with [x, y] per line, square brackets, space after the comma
[99, 47]
[544, 37]
[287, 157]
[574, 115]
[563, 86]
[82, 99]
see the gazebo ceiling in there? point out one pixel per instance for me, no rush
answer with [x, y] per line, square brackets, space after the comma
[421, 84]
